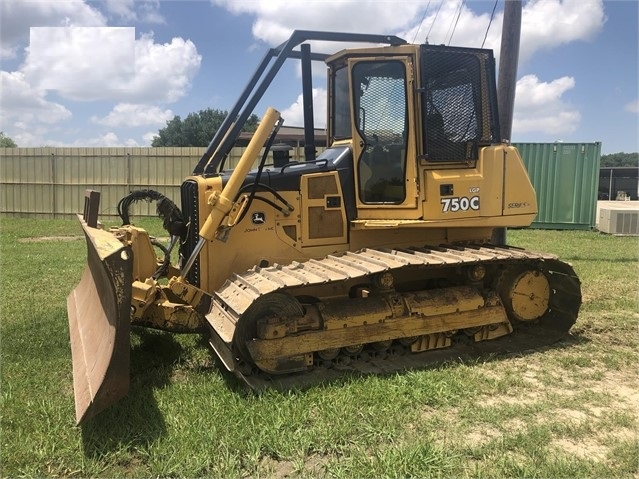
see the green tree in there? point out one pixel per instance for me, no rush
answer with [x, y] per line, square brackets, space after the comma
[7, 142]
[620, 159]
[197, 129]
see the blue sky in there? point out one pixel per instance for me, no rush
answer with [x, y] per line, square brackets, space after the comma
[112, 72]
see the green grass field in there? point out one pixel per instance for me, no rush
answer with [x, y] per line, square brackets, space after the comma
[567, 411]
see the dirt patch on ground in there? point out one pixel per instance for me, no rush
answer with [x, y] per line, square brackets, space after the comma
[313, 466]
[587, 448]
[589, 410]
[274, 468]
[622, 386]
[483, 436]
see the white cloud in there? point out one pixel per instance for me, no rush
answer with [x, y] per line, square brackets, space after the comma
[124, 9]
[539, 107]
[17, 16]
[294, 114]
[148, 137]
[533, 93]
[149, 12]
[108, 139]
[276, 20]
[545, 23]
[81, 56]
[454, 24]
[42, 137]
[131, 143]
[151, 72]
[548, 24]
[134, 115]
[632, 107]
[32, 137]
[22, 104]
[163, 72]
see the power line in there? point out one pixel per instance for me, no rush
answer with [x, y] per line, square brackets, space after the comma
[489, 23]
[450, 26]
[422, 21]
[461, 6]
[433, 22]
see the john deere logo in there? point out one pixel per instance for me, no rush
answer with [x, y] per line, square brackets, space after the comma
[258, 218]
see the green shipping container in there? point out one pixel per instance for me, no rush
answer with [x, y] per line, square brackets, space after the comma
[566, 179]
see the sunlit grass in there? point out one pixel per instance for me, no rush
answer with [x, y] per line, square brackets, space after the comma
[566, 411]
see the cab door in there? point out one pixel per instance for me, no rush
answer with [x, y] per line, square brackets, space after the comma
[383, 138]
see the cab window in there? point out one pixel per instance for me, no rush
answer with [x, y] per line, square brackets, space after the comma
[380, 110]
[341, 105]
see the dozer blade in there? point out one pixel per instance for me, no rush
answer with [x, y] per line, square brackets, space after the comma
[99, 324]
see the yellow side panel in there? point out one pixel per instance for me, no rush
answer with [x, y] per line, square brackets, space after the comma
[466, 192]
[519, 194]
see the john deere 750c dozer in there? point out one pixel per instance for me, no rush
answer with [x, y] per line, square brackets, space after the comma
[366, 257]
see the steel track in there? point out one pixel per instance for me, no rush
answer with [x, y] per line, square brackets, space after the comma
[241, 290]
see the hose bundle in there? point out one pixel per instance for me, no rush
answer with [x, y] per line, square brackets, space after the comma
[172, 219]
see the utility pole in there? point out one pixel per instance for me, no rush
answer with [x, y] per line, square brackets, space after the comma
[507, 80]
[508, 59]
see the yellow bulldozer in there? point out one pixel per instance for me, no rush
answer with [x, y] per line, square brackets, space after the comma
[374, 255]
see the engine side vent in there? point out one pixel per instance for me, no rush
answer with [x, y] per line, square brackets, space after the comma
[190, 211]
[320, 186]
[324, 224]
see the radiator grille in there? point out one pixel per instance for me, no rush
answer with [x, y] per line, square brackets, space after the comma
[190, 210]
[456, 103]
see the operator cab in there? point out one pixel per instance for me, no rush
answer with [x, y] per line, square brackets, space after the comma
[406, 109]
